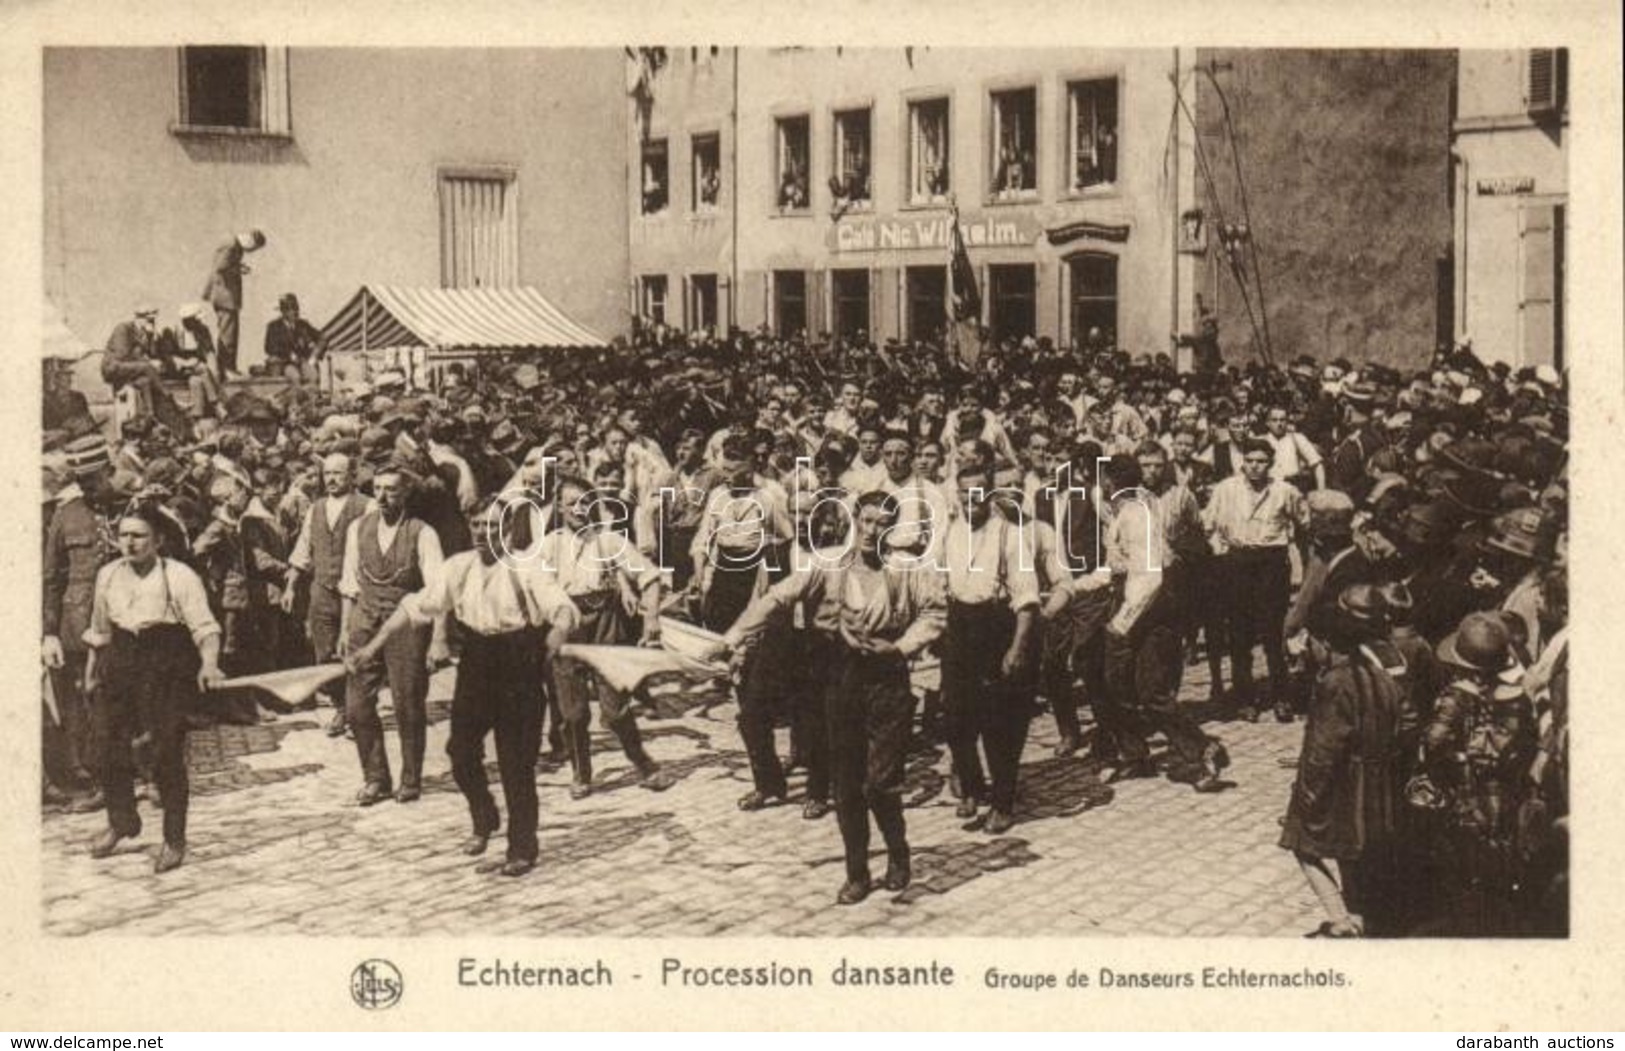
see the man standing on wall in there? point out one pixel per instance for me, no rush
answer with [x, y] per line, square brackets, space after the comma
[223, 290]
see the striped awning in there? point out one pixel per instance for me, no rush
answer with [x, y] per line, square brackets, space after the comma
[388, 316]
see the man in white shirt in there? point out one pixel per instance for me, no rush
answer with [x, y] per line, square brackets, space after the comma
[512, 621]
[318, 554]
[867, 469]
[387, 556]
[1297, 461]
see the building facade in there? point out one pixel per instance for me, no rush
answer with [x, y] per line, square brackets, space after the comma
[812, 190]
[1510, 148]
[431, 167]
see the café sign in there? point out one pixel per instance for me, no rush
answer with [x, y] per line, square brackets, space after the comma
[929, 233]
[1506, 186]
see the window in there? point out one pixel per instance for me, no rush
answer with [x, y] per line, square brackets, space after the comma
[656, 177]
[1012, 298]
[707, 173]
[702, 307]
[1014, 166]
[789, 302]
[653, 296]
[1093, 133]
[1094, 299]
[928, 165]
[851, 179]
[479, 230]
[794, 148]
[927, 295]
[1546, 90]
[850, 300]
[234, 89]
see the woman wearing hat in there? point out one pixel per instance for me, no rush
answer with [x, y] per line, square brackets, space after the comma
[1343, 802]
[1477, 750]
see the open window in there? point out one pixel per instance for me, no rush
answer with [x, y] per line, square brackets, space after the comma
[1014, 144]
[233, 90]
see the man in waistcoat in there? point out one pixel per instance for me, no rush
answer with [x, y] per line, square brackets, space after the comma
[318, 555]
[387, 556]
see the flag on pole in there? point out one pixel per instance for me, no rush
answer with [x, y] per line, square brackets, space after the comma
[963, 300]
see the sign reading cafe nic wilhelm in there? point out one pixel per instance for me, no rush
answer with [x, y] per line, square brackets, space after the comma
[906, 233]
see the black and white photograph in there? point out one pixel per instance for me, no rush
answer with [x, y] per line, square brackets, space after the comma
[848, 491]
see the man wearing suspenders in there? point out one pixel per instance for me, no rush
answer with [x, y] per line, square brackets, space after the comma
[512, 622]
[988, 650]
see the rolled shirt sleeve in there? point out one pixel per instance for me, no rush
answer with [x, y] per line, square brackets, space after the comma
[928, 595]
[186, 588]
[349, 584]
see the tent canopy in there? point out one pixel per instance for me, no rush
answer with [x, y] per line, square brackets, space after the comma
[388, 316]
[57, 340]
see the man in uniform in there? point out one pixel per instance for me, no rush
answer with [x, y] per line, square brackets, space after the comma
[387, 556]
[77, 544]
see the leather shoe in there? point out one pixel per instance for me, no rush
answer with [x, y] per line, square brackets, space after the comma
[654, 779]
[853, 891]
[1284, 712]
[371, 795]
[408, 794]
[898, 874]
[517, 866]
[107, 841]
[966, 808]
[170, 857]
[580, 789]
[88, 803]
[336, 726]
[757, 800]
[1068, 747]
[813, 809]
[475, 845]
[998, 823]
[1246, 714]
[1131, 771]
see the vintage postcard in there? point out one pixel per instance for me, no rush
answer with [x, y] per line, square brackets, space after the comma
[960, 516]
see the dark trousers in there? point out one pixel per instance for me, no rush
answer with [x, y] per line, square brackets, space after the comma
[981, 705]
[1260, 584]
[603, 623]
[1143, 672]
[764, 692]
[401, 663]
[870, 710]
[499, 689]
[225, 340]
[815, 658]
[69, 752]
[1072, 649]
[148, 683]
[1210, 614]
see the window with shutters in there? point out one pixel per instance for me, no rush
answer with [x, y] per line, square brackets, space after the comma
[479, 229]
[789, 302]
[1092, 133]
[850, 181]
[702, 309]
[1013, 167]
[656, 177]
[233, 91]
[849, 302]
[929, 167]
[1538, 283]
[1094, 299]
[1012, 301]
[707, 173]
[652, 293]
[926, 289]
[794, 140]
[1547, 83]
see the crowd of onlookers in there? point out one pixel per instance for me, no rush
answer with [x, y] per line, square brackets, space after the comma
[1394, 539]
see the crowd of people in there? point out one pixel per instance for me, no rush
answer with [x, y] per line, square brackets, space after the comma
[1056, 529]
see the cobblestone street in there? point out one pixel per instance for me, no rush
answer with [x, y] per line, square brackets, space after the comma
[277, 846]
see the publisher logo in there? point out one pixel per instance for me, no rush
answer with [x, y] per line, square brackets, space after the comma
[376, 985]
